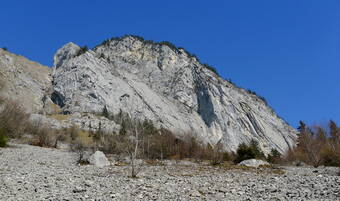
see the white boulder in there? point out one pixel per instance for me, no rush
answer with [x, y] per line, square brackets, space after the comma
[253, 163]
[99, 159]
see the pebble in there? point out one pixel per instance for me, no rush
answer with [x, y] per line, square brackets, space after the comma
[52, 174]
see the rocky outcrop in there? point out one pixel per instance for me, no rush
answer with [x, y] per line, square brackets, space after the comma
[167, 85]
[30, 84]
[149, 80]
[26, 82]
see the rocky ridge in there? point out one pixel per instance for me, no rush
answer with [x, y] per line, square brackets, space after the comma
[154, 81]
[167, 85]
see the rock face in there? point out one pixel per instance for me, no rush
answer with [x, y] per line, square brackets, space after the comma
[167, 85]
[30, 84]
[253, 163]
[99, 159]
[27, 82]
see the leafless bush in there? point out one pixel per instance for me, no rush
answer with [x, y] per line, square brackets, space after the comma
[13, 120]
[43, 136]
[80, 148]
[59, 137]
[216, 154]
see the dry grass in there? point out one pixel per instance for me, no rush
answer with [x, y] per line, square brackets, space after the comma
[86, 138]
[59, 117]
[151, 162]
[43, 136]
[13, 120]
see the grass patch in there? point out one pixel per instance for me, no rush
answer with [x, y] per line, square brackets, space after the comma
[85, 137]
[151, 162]
[59, 117]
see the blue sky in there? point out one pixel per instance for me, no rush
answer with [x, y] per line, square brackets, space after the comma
[287, 51]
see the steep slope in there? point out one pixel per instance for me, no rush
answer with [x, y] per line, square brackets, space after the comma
[160, 82]
[167, 85]
[26, 82]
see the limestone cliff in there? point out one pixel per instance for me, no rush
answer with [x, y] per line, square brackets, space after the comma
[167, 85]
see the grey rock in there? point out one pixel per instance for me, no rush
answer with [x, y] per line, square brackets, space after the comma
[99, 159]
[300, 164]
[253, 163]
[78, 189]
[195, 193]
[26, 82]
[168, 86]
[150, 81]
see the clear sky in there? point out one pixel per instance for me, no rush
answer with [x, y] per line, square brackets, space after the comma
[287, 51]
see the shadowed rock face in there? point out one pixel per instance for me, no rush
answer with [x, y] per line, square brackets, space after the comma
[167, 86]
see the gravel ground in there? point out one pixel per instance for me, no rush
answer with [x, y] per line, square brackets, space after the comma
[34, 173]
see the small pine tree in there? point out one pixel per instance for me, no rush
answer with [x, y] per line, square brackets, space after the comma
[274, 156]
[148, 127]
[123, 127]
[3, 141]
[82, 50]
[213, 69]
[243, 153]
[3, 138]
[254, 146]
[105, 112]
[250, 151]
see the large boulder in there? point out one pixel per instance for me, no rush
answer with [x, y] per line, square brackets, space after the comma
[253, 163]
[99, 159]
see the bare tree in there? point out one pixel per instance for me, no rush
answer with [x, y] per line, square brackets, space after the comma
[133, 152]
[216, 153]
[133, 148]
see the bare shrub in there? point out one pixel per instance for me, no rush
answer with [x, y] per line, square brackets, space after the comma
[216, 155]
[113, 144]
[43, 136]
[72, 132]
[13, 120]
[80, 148]
[59, 137]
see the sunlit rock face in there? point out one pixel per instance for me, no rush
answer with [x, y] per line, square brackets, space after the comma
[167, 85]
[26, 82]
